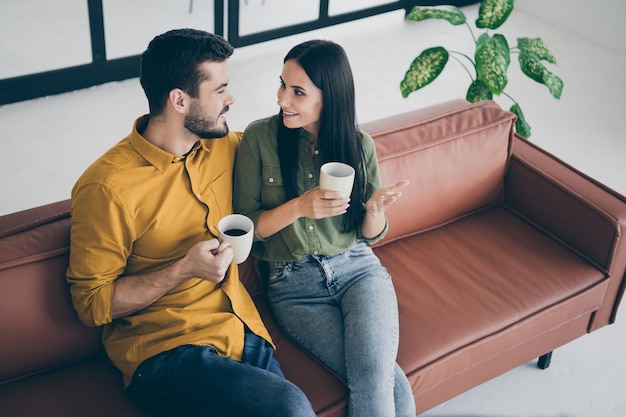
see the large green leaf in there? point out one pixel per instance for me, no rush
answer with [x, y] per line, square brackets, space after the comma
[492, 62]
[424, 69]
[521, 126]
[452, 14]
[533, 68]
[493, 13]
[537, 47]
[503, 47]
[478, 91]
[554, 84]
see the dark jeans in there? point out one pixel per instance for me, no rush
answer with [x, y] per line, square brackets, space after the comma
[195, 381]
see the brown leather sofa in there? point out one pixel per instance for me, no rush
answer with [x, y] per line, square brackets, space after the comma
[500, 253]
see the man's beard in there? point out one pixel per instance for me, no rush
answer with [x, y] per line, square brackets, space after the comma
[204, 128]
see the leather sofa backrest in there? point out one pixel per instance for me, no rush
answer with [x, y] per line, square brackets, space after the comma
[39, 329]
[455, 161]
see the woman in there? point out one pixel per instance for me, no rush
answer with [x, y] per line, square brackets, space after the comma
[326, 288]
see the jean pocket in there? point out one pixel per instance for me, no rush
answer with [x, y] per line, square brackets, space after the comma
[359, 249]
[278, 271]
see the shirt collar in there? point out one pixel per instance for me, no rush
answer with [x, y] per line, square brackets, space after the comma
[156, 156]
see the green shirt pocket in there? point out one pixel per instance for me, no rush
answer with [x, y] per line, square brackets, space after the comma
[273, 193]
[272, 177]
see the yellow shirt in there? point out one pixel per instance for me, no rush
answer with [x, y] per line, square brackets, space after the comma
[139, 209]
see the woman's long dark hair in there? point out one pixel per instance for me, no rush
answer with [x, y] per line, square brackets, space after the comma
[339, 139]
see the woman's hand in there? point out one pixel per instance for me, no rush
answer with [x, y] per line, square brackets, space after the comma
[314, 204]
[374, 220]
[384, 197]
[319, 204]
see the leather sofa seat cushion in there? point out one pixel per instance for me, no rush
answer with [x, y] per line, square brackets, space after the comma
[501, 273]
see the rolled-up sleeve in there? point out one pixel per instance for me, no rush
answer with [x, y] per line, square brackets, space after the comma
[373, 181]
[100, 243]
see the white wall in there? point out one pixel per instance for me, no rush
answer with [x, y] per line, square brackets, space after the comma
[599, 21]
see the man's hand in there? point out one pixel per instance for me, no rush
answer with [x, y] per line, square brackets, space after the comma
[203, 261]
[135, 292]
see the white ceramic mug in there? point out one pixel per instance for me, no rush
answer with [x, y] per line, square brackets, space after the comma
[236, 231]
[337, 176]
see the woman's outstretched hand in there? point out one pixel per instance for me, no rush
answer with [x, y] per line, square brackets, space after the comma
[385, 197]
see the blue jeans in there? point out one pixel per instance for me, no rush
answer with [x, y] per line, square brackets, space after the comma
[343, 310]
[195, 381]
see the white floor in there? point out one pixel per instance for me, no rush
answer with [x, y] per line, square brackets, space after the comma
[46, 143]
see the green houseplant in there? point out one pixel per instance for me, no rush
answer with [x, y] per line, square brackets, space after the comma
[491, 58]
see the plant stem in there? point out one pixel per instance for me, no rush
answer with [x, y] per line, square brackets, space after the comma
[453, 55]
[510, 98]
[470, 31]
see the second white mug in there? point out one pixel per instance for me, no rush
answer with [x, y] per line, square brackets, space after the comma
[337, 176]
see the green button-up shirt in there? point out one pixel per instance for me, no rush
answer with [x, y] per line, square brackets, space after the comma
[259, 187]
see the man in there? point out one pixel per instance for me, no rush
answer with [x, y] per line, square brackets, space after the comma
[177, 321]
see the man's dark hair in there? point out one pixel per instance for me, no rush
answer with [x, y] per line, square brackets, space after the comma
[172, 60]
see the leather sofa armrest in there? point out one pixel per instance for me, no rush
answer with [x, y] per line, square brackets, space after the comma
[21, 221]
[582, 214]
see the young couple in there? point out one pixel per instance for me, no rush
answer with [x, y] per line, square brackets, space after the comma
[178, 322]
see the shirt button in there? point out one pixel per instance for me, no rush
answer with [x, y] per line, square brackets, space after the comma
[316, 252]
[271, 180]
[199, 195]
[310, 227]
[310, 175]
[316, 152]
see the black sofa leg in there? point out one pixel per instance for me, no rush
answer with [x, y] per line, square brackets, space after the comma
[544, 361]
